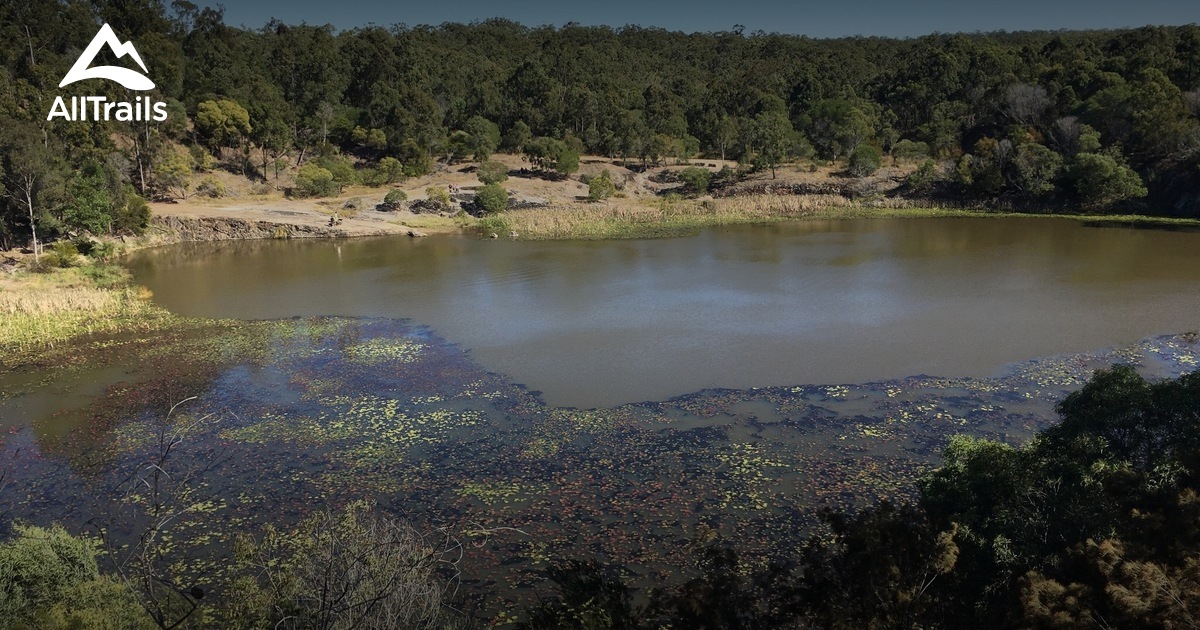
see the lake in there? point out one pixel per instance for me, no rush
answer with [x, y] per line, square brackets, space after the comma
[596, 324]
[737, 381]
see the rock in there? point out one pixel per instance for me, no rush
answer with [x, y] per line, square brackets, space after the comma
[416, 234]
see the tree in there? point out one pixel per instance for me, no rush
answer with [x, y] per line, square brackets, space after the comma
[390, 170]
[865, 160]
[314, 181]
[1101, 181]
[601, 187]
[223, 123]
[33, 173]
[492, 198]
[483, 137]
[839, 126]
[492, 172]
[696, 179]
[1037, 169]
[174, 173]
[774, 132]
[50, 579]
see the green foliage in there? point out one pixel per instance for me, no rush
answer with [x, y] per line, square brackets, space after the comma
[438, 195]
[492, 198]
[550, 154]
[865, 160]
[390, 170]
[50, 579]
[211, 187]
[601, 187]
[1038, 169]
[62, 254]
[491, 172]
[696, 179]
[88, 207]
[910, 150]
[133, 216]
[174, 172]
[314, 181]
[340, 167]
[1101, 181]
[223, 123]
[393, 199]
[483, 137]
[922, 180]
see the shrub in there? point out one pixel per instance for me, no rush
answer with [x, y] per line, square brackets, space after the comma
[50, 579]
[314, 181]
[921, 181]
[62, 254]
[211, 187]
[201, 158]
[492, 198]
[696, 179]
[909, 150]
[133, 216]
[438, 195]
[601, 187]
[492, 172]
[865, 160]
[392, 200]
[340, 168]
[390, 170]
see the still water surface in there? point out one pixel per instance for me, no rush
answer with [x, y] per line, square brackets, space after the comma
[602, 323]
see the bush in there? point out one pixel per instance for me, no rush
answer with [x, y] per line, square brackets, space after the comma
[50, 579]
[390, 170]
[392, 200]
[211, 187]
[601, 187]
[492, 172]
[201, 158]
[696, 179]
[133, 216]
[314, 181]
[340, 168]
[865, 160]
[492, 198]
[438, 195]
[62, 254]
[909, 150]
[921, 181]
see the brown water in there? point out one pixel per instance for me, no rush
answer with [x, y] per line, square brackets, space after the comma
[602, 323]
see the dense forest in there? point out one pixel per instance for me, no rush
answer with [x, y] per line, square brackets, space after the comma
[1063, 121]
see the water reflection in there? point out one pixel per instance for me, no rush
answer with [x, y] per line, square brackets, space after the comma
[600, 323]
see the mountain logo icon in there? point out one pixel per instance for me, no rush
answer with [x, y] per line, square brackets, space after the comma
[126, 77]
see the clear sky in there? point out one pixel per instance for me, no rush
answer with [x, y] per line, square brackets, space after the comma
[825, 18]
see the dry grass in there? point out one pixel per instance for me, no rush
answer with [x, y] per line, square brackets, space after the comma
[621, 218]
[43, 310]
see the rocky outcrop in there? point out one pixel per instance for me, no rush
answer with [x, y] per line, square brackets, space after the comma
[175, 229]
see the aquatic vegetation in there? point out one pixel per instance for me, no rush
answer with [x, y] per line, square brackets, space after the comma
[318, 412]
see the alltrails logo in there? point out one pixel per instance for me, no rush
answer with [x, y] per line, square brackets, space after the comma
[144, 109]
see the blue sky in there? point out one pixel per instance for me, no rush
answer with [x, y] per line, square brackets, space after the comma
[830, 18]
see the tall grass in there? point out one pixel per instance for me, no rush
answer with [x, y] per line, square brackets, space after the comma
[43, 310]
[624, 218]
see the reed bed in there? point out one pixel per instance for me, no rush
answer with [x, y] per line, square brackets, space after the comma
[44, 310]
[621, 218]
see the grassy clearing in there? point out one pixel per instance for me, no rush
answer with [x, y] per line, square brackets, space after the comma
[680, 217]
[41, 310]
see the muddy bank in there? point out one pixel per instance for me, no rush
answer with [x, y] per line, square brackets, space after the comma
[174, 229]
